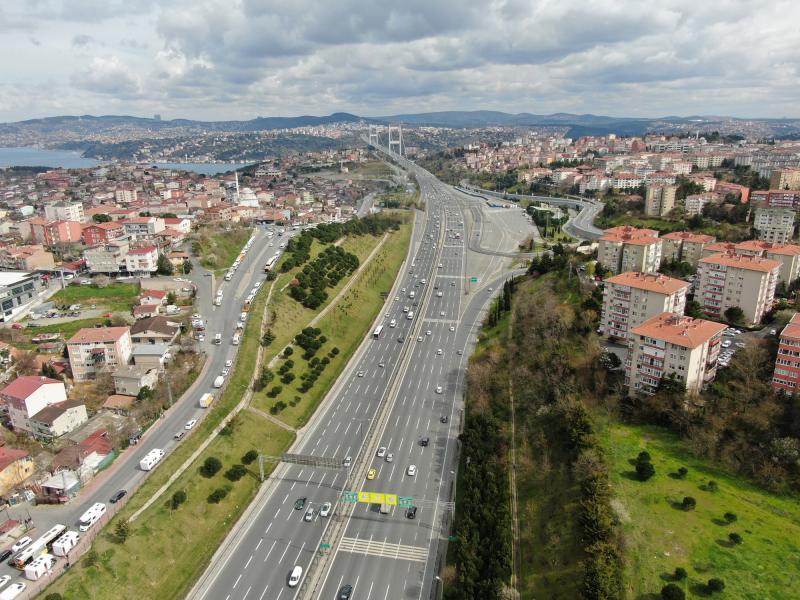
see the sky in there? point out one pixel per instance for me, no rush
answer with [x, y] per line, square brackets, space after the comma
[238, 59]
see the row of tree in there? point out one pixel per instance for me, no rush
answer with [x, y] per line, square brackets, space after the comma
[323, 272]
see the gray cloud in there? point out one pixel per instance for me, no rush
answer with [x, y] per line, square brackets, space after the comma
[82, 40]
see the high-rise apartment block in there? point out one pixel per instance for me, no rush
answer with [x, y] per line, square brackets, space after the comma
[774, 225]
[785, 179]
[684, 246]
[631, 298]
[672, 345]
[786, 376]
[627, 248]
[659, 200]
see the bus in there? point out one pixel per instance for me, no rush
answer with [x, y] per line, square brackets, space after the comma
[218, 339]
[270, 263]
[377, 333]
[91, 516]
[38, 547]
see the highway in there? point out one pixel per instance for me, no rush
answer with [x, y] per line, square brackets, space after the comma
[125, 472]
[402, 386]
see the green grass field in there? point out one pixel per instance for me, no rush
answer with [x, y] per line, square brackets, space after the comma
[218, 249]
[117, 296]
[660, 537]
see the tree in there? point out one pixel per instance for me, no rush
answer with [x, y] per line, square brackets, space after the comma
[54, 596]
[688, 503]
[672, 592]
[91, 558]
[643, 456]
[680, 574]
[101, 218]
[735, 538]
[163, 266]
[171, 298]
[210, 467]
[217, 496]
[694, 309]
[730, 517]
[645, 470]
[177, 499]
[122, 531]
[712, 486]
[235, 473]
[716, 585]
[734, 315]
[682, 472]
[25, 363]
[187, 267]
[101, 281]
[288, 351]
[249, 457]
[267, 338]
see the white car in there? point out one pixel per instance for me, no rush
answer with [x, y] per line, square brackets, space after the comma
[196, 316]
[419, 338]
[439, 352]
[190, 424]
[21, 543]
[325, 510]
[412, 470]
[4, 580]
[389, 457]
[347, 461]
[309, 515]
[229, 363]
[381, 452]
[428, 332]
[452, 328]
[225, 371]
[726, 344]
[360, 373]
[14, 590]
[295, 575]
[438, 389]
[441, 314]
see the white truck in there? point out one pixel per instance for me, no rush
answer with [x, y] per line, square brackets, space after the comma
[219, 381]
[206, 400]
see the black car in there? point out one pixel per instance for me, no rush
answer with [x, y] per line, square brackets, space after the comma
[443, 419]
[345, 592]
[118, 496]
[411, 513]
[6, 554]
[300, 503]
[424, 441]
[401, 339]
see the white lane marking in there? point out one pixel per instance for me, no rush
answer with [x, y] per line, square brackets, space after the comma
[247, 592]
[261, 597]
[259, 544]
[280, 560]
[237, 581]
[270, 550]
[247, 564]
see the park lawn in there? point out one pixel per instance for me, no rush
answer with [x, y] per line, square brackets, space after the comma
[218, 250]
[344, 326]
[660, 537]
[168, 550]
[116, 296]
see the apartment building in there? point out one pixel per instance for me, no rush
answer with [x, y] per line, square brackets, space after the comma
[659, 200]
[684, 246]
[631, 298]
[65, 211]
[125, 195]
[26, 258]
[785, 179]
[26, 396]
[108, 258]
[774, 225]
[142, 262]
[786, 254]
[627, 248]
[777, 198]
[92, 349]
[100, 233]
[786, 376]
[17, 290]
[728, 280]
[51, 233]
[143, 228]
[670, 344]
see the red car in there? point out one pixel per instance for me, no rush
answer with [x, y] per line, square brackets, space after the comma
[17, 326]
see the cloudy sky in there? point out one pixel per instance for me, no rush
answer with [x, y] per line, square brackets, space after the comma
[237, 59]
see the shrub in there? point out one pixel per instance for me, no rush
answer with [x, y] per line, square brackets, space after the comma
[235, 473]
[680, 574]
[735, 538]
[177, 499]
[275, 391]
[712, 486]
[287, 352]
[730, 517]
[325, 360]
[122, 530]
[716, 585]
[688, 503]
[249, 457]
[645, 470]
[643, 457]
[217, 496]
[334, 351]
[682, 472]
[287, 379]
[672, 592]
[211, 466]
[91, 558]
[54, 596]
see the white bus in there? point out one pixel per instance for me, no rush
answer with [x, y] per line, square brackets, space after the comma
[271, 263]
[38, 547]
[151, 459]
[65, 543]
[377, 333]
[91, 516]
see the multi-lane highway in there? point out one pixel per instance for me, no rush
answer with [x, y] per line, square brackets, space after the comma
[401, 386]
[126, 473]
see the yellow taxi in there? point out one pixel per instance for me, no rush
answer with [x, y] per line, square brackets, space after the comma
[372, 474]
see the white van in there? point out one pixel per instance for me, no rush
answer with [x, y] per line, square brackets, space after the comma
[295, 575]
[392, 323]
[410, 315]
[411, 294]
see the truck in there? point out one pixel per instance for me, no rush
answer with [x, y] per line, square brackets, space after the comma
[219, 381]
[206, 400]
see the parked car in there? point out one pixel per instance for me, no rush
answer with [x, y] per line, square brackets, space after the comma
[118, 496]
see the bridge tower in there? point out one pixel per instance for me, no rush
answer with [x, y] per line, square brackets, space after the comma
[396, 140]
[374, 140]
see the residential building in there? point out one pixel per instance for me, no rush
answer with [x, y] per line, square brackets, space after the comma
[777, 198]
[27, 395]
[100, 233]
[154, 330]
[142, 262]
[684, 246]
[786, 254]
[631, 298]
[672, 345]
[15, 467]
[774, 225]
[18, 290]
[130, 379]
[786, 376]
[735, 280]
[659, 200]
[150, 356]
[87, 457]
[92, 349]
[58, 419]
[694, 204]
[143, 228]
[785, 179]
[64, 211]
[125, 196]
[152, 297]
[26, 258]
[627, 248]
[107, 258]
[51, 233]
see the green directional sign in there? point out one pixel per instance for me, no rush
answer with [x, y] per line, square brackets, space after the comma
[405, 501]
[473, 279]
[324, 546]
[350, 497]
[452, 538]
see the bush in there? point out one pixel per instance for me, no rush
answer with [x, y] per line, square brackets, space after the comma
[122, 530]
[287, 379]
[735, 538]
[287, 352]
[211, 466]
[643, 457]
[689, 503]
[249, 457]
[682, 472]
[645, 470]
[730, 517]
[334, 351]
[672, 592]
[712, 486]
[217, 496]
[91, 558]
[177, 499]
[235, 473]
[716, 585]
[275, 391]
[54, 596]
[680, 574]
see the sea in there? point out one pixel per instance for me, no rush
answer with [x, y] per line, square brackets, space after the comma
[38, 157]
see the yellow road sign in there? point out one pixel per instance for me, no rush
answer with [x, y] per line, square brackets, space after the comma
[377, 498]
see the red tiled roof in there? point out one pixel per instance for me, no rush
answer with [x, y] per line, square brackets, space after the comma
[24, 386]
[10, 455]
[142, 250]
[91, 335]
[688, 236]
[652, 282]
[153, 293]
[742, 261]
[679, 330]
